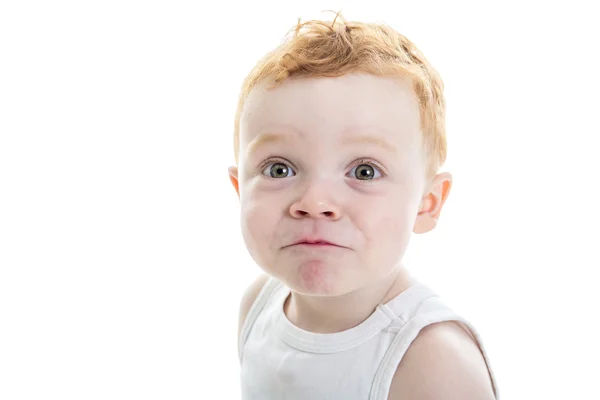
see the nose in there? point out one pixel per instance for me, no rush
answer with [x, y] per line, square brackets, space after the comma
[314, 203]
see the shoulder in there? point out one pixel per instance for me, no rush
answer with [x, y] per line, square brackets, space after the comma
[443, 362]
[248, 298]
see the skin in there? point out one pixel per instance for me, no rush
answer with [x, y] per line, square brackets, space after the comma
[319, 161]
[341, 160]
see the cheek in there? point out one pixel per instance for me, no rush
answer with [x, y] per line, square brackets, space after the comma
[390, 227]
[259, 221]
[255, 222]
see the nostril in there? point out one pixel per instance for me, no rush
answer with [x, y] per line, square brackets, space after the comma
[300, 213]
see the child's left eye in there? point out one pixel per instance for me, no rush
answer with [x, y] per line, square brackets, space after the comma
[365, 172]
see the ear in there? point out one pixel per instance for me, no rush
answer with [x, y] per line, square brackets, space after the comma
[233, 177]
[432, 203]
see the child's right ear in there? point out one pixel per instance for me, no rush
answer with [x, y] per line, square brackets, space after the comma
[233, 177]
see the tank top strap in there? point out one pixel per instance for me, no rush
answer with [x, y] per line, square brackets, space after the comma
[264, 296]
[406, 335]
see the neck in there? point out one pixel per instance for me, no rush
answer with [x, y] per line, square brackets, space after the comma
[339, 313]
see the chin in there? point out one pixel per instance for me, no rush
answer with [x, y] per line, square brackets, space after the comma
[317, 278]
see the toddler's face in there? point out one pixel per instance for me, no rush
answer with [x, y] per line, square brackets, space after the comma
[331, 177]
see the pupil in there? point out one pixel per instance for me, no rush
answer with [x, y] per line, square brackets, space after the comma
[364, 171]
[278, 170]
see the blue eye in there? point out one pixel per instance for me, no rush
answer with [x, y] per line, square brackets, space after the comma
[365, 172]
[278, 170]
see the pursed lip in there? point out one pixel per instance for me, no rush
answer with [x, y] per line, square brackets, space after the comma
[314, 242]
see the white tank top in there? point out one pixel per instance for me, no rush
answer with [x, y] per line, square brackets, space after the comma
[281, 361]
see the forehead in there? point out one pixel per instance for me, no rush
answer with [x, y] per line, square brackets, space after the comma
[332, 108]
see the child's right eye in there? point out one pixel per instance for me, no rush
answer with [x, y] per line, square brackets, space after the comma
[278, 170]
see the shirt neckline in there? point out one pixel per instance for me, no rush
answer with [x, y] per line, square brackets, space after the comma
[383, 315]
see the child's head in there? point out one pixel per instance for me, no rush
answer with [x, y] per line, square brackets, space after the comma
[339, 135]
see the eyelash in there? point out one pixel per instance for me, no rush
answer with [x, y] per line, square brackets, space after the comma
[356, 164]
[275, 161]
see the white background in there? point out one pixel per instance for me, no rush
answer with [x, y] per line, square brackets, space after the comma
[121, 261]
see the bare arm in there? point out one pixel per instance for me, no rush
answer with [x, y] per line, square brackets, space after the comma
[442, 363]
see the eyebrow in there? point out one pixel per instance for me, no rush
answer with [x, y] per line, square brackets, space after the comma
[268, 138]
[366, 139]
[263, 139]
